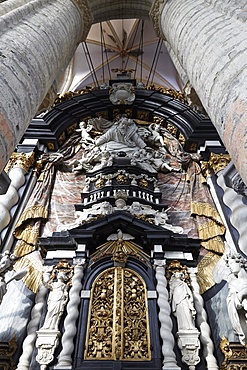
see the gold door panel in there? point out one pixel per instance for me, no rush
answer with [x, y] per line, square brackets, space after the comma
[118, 317]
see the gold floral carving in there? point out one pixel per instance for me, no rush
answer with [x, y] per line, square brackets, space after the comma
[143, 183]
[121, 179]
[219, 161]
[99, 183]
[118, 326]
[21, 160]
[235, 355]
[175, 266]
[7, 351]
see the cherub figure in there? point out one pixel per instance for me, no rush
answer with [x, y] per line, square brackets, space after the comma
[84, 130]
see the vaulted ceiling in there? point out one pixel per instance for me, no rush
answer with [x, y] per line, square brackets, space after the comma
[123, 48]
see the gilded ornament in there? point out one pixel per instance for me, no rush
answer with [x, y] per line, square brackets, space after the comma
[61, 139]
[99, 183]
[120, 247]
[51, 146]
[143, 115]
[181, 139]
[118, 325]
[206, 170]
[21, 160]
[143, 183]
[121, 179]
[71, 129]
[172, 129]
[219, 161]
[235, 355]
[175, 266]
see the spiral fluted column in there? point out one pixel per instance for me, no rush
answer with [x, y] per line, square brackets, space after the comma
[33, 325]
[201, 320]
[20, 164]
[169, 362]
[70, 328]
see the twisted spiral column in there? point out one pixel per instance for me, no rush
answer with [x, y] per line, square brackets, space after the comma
[33, 325]
[65, 357]
[201, 320]
[169, 362]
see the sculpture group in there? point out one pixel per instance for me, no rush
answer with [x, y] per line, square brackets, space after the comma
[147, 147]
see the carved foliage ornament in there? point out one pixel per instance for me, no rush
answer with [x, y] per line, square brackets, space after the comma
[21, 160]
[219, 161]
[155, 14]
[118, 321]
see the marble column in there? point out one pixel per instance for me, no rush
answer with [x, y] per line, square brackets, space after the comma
[38, 39]
[70, 328]
[201, 320]
[209, 40]
[33, 325]
[169, 362]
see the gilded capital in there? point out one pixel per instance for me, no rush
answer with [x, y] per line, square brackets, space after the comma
[155, 14]
[219, 161]
[21, 160]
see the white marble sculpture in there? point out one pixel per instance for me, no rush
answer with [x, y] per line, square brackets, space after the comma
[144, 146]
[7, 261]
[122, 136]
[48, 335]
[57, 300]
[84, 131]
[182, 302]
[183, 309]
[237, 295]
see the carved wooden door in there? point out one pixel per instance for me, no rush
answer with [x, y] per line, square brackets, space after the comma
[118, 326]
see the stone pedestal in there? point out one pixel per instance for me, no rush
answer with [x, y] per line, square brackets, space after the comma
[189, 344]
[47, 341]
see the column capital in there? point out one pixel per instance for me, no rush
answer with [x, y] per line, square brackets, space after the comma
[86, 15]
[159, 263]
[155, 15]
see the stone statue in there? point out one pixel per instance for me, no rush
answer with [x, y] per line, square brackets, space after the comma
[57, 300]
[84, 130]
[182, 302]
[237, 295]
[122, 136]
[6, 264]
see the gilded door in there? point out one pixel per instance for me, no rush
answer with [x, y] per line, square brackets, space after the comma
[118, 326]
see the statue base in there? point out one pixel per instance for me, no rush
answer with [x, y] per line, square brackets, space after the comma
[189, 344]
[47, 341]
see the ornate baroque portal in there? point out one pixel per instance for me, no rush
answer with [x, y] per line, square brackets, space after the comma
[118, 325]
